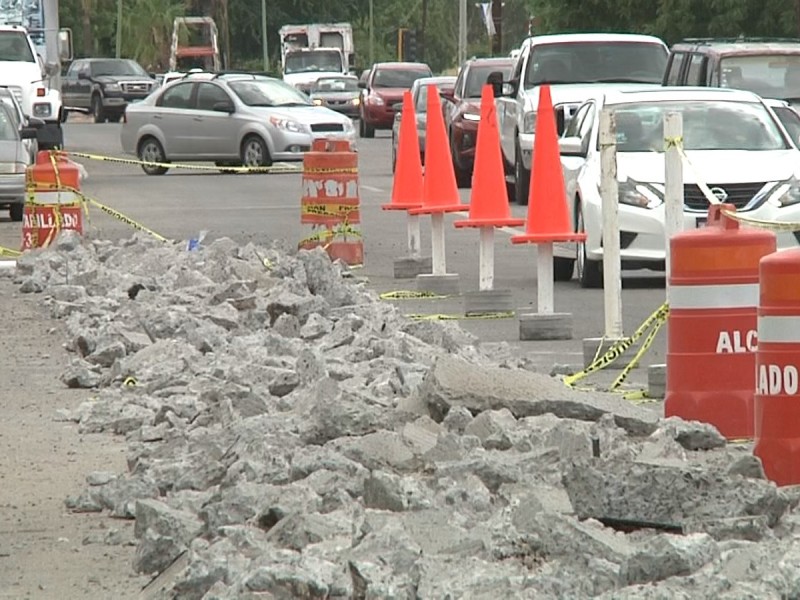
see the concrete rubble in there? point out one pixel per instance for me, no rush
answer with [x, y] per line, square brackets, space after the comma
[292, 436]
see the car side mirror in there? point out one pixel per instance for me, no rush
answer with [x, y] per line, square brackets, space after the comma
[571, 146]
[28, 133]
[226, 107]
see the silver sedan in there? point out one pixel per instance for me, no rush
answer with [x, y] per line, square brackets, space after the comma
[229, 119]
[14, 160]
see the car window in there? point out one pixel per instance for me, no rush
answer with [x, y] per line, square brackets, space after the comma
[74, 68]
[707, 125]
[114, 67]
[573, 127]
[177, 96]
[13, 111]
[478, 75]
[596, 62]
[768, 75]
[8, 130]
[336, 84]
[697, 70]
[209, 94]
[790, 121]
[14, 47]
[397, 78]
[459, 86]
[268, 92]
[676, 66]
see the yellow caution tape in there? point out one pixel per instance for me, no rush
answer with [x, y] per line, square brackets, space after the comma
[652, 323]
[232, 169]
[130, 382]
[763, 223]
[492, 315]
[9, 252]
[411, 295]
[125, 219]
[328, 210]
[328, 234]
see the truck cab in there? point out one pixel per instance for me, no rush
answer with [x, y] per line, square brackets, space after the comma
[315, 50]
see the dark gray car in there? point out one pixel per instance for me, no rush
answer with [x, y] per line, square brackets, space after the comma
[340, 93]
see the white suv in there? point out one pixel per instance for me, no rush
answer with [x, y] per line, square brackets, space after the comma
[574, 65]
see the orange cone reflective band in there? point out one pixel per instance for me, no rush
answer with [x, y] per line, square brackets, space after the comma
[548, 214]
[408, 184]
[488, 206]
[440, 191]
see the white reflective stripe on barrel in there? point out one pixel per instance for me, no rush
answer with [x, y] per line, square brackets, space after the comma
[739, 295]
[55, 197]
[779, 330]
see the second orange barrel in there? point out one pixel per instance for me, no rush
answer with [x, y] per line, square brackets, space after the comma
[712, 328]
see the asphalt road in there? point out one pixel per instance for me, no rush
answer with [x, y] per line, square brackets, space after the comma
[265, 207]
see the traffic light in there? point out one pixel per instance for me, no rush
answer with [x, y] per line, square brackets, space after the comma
[410, 45]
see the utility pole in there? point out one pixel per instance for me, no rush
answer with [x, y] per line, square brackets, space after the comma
[264, 34]
[371, 34]
[421, 42]
[497, 19]
[119, 29]
[462, 32]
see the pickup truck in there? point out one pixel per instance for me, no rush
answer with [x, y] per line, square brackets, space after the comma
[576, 66]
[103, 87]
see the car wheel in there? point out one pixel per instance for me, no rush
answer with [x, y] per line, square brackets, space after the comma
[15, 211]
[255, 152]
[590, 273]
[150, 151]
[98, 113]
[522, 179]
[365, 130]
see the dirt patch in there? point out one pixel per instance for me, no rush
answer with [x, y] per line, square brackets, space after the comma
[46, 551]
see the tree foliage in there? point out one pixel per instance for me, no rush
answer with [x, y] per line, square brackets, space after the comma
[147, 24]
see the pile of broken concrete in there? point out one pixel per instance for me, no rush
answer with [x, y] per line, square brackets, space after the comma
[292, 436]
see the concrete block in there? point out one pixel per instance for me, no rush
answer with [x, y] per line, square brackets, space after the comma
[545, 326]
[408, 267]
[657, 381]
[488, 301]
[590, 351]
[448, 284]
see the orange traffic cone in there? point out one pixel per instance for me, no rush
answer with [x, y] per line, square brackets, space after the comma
[408, 183]
[488, 205]
[548, 214]
[440, 191]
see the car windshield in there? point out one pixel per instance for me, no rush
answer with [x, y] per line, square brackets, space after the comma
[707, 125]
[596, 62]
[336, 84]
[268, 92]
[14, 47]
[422, 96]
[8, 129]
[13, 111]
[102, 68]
[318, 60]
[768, 75]
[397, 78]
[478, 75]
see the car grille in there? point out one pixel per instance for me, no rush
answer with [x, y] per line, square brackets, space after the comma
[739, 194]
[135, 87]
[337, 102]
[564, 113]
[322, 127]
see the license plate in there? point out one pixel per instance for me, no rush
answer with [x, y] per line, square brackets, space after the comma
[701, 221]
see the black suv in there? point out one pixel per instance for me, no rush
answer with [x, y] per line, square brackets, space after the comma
[769, 67]
[103, 87]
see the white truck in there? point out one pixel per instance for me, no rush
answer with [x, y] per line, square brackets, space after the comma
[32, 49]
[311, 51]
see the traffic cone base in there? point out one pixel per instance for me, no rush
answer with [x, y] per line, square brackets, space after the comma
[487, 207]
[407, 187]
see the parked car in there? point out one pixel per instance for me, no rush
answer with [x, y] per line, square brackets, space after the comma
[104, 87]
[734, 142]
[767, 67]
[419, 97]
[464, 112]
[21, 120]
[14, 161]
[383, 89]
[230, 119]
[575, 66]
[340, 93]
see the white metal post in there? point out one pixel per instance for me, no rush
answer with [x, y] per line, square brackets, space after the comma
[486, 264]
[673, 180]
[462, 31]
[413, 235]
[612, 264]
[544, 278]
[437, 244]
[264, 46]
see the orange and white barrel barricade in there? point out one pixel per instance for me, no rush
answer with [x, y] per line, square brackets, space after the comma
[330, 201]
[711, 328]
[53, 202]
[777, 397]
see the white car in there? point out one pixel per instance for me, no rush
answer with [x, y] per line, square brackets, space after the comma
[733, 140]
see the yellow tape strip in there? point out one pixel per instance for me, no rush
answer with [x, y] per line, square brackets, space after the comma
[762, 223]
[494, 315]
[325, 234]
[411, 295]
[125, 219]
[332, 210]
[9, 252]
[131, 161]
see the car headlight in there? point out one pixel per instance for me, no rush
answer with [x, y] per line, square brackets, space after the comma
[348, 126]
[42, 109]
[474, 117]
[112, 87]
[529, 122]
[639, 194]
[376, 100]
[788, 192]
[317, 101]
[288, 125]
[355, 101]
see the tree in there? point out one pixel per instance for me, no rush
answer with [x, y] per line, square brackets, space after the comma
[147, 31]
